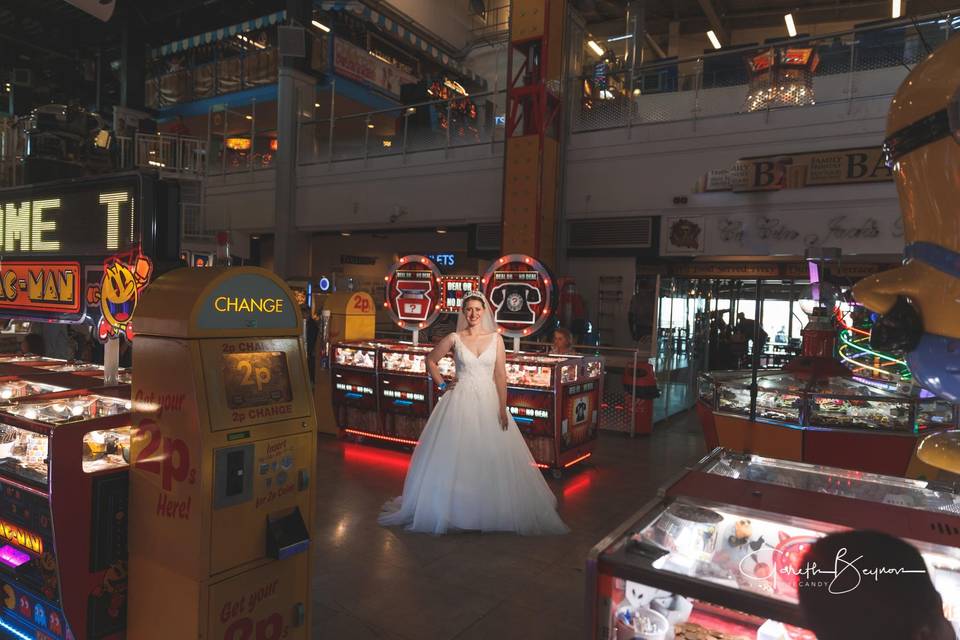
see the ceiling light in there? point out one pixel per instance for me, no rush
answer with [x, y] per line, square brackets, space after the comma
[370, 125]
[791, 27]
[596, 48]
[410, 111]
[321, 26]
[316, 105]
[345, 234]
[897, 9]
[713, 39]
[636, 91]
[441, 230]
[248, 117]
[619, 38]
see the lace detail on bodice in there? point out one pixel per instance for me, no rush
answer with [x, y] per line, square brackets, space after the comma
[469, 365]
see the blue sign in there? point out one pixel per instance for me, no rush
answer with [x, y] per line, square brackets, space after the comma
[443, 259]
[324, 284]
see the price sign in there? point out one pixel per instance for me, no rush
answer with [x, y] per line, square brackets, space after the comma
[413, 292]
[256, 379]
[521, 291]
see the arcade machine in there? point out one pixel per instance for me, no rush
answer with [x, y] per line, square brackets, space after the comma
[554, 399]
[718, 553]
[347, 372]
[223, 449]
[63, 509]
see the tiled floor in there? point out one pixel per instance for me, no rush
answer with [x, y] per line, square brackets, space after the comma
[371, 582]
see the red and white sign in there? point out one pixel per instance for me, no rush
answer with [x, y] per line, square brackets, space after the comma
[521, 291]
[353, 62]
[413, 292]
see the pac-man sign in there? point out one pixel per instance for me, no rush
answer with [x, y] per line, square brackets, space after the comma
[40, 288]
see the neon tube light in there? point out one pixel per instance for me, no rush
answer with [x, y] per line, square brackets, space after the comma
[353, 395]
[576, 460]
[522, 419]
[403, 403]
[882, 356]
[16, 632]
[377, 436]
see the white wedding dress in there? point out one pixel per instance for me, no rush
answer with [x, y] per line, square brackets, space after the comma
[467, 473]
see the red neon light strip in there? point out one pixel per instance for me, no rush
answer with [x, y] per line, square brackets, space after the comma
[377, 436]
[576, 460]
[540, 465]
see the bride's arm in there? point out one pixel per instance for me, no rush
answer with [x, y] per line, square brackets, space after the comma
[500, 379]
[433, 358]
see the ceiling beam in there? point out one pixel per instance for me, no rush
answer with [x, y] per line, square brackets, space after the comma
[653, 45]
[710, 11]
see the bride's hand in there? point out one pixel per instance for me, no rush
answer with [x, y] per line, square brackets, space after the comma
[503, 419]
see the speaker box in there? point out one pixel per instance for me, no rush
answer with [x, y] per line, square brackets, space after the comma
[292, 41]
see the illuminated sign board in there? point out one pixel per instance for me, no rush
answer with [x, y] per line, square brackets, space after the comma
[413, 292]
[443, 259]
[21, 537]
[89, 218]
[247, 301]
[42, 287]
[454, 288]
[520, 290]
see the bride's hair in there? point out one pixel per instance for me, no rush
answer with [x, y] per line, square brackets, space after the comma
[473, 295]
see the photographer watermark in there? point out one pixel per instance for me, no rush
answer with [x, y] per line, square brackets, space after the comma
[845, 576]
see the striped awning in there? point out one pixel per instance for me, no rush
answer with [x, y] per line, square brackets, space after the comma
[219, 34]
[413, 40]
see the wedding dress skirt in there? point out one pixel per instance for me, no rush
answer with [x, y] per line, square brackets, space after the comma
[467, 473]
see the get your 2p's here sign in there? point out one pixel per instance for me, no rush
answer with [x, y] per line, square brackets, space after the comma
[48, 233]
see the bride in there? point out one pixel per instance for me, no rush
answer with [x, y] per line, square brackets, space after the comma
[471, 469]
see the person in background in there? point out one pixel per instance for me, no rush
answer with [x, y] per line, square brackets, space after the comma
[562, 342]
[31, 344]
[57, 342]
[747, 327]
[886, 594]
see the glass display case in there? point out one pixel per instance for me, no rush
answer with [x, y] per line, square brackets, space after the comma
[532, 371]
[23, 388]
[24, 454]
[360, 355]
[701, 562]
[834, 402]
[870, 487]
[64, 460]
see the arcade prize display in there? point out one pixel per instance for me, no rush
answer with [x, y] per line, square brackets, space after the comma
[63, 513]
[382, 390]
[718, 555]
[74, 251]
[815, 410]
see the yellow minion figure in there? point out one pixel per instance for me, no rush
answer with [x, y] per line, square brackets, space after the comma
[919, 302]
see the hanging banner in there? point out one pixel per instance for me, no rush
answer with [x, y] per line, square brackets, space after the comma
[353, 62]
[800, 170]
[520, 290]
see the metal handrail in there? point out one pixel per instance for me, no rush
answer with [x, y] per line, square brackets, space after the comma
[793, 42]
[403, 107]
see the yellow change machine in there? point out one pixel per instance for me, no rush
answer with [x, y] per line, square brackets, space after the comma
[221, 492]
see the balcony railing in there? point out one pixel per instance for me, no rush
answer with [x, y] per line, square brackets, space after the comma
[851, 66]
[164, 152]
[841, 67]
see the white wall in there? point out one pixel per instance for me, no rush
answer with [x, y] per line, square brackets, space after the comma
[425, 189]
[613, 172]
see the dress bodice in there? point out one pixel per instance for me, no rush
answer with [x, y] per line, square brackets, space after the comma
[471, 366]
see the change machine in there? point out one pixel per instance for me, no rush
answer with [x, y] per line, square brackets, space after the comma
[221, 488]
